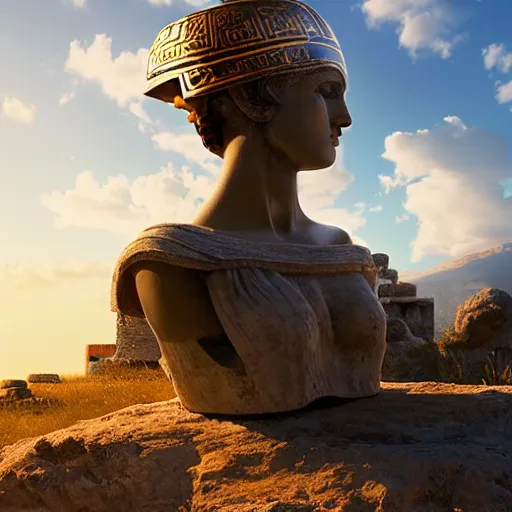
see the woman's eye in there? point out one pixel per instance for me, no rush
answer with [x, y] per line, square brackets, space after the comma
[329, 91]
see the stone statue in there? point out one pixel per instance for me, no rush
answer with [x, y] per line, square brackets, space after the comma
[256, 307]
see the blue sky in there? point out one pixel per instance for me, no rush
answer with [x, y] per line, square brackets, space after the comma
[86, 163]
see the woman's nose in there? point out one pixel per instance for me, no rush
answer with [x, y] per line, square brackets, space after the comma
[341, 115]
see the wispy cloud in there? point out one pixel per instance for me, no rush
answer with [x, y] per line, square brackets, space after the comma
[79, 4]
[122, 78]
[164, 3]
[174, 195]
[497, 58]
[66, 97]
[422, 24]
[18, 111]
[401, 218]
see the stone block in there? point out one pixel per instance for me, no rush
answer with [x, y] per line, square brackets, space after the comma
[44, 378]
[390, 274]
[13, 383]
[135, 340]
[386, 290]
[381, 260]
[405, 290]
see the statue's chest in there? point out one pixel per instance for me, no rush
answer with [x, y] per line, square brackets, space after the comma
[306, 309]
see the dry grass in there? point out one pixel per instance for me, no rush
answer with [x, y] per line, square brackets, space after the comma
[461, 364]
[82, 398]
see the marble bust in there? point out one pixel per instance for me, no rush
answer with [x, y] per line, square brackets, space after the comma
[256, 307]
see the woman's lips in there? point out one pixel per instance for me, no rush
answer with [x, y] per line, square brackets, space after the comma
[335, 141]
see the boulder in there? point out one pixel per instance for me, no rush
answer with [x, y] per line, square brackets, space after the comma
[44, 378]
[13, 383]
[485, 320]
[397, 330]
[414, 447]
[408, 357]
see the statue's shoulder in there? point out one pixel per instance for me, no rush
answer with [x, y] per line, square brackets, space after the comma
[330, 235]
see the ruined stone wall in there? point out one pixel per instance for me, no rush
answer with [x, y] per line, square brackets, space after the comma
[399, 300]
[135, 340]
[417, 313]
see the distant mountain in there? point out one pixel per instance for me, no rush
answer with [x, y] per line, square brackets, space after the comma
[452, 282]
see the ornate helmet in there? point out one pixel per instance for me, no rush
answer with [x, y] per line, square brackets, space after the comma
[238, 41]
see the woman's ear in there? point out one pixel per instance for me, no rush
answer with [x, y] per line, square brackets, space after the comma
[250, 100]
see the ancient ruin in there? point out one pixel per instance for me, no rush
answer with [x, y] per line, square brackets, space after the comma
[399, 300]
[135, 340]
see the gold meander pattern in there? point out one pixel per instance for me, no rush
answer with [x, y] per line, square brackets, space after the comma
[234, 41]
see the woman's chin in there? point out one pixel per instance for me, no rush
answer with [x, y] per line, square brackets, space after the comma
[320, 162]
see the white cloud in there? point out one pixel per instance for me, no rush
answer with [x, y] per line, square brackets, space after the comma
[66, 97]
[504, 92]
[195, 3]
[422, 24]
[18, 111]
[375, 209]
[496, 57]
[127, 207]
[122, 78]
[318, 192]
[452, 176]
[79, 4]
[190, 146]
[145, 122]
[401, 218]
[172, 195]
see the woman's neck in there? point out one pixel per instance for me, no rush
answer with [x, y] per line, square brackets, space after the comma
[257, 192]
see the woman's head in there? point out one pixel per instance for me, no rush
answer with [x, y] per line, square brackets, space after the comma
[297, 115]
[273, 66]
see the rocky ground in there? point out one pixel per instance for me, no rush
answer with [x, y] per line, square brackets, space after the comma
[415, 447]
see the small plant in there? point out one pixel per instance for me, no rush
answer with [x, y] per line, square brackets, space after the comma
[493, 375]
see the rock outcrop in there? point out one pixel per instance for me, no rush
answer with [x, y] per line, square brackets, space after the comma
[13, 389]
[15, 394]
[485, 320]
[413, 448]
[480, 342]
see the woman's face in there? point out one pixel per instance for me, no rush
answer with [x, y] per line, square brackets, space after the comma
[307, 126]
